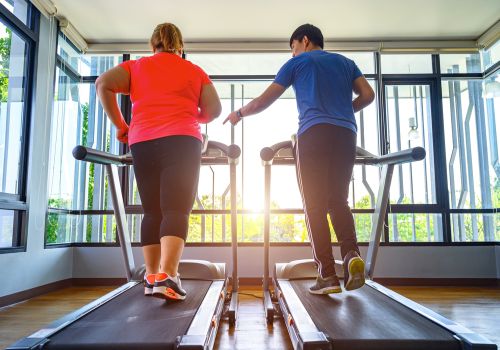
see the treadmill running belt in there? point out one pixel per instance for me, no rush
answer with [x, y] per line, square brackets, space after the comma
[367, 319]
[133, 321]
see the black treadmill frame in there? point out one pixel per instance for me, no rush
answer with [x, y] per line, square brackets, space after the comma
[303, 332]
[202, 331]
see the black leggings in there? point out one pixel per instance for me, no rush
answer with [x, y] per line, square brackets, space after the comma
[325, 156]
[167, 171]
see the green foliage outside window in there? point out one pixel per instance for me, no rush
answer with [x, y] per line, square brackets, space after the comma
[5, 44]
[53, 224]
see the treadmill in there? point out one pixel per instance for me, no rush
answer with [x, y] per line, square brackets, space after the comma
[125, 318]
[372, 317]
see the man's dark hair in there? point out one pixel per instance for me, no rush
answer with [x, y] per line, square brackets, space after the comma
[313, 34]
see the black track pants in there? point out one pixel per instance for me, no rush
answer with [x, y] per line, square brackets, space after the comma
[167, 171]
[325, 157]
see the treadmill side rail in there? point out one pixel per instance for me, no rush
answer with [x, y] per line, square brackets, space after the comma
[233, 308]
[121, 222]
[203, 329]
[269, 307]
[379, 218]
[469, 339]
[303, 332]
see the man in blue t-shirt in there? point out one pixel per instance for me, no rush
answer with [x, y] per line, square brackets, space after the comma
[325, 149]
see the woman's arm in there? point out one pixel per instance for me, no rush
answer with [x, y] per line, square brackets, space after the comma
[112, 82]
[210, 107]
[258, 104]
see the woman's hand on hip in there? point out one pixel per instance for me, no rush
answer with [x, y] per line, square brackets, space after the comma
[122, 134]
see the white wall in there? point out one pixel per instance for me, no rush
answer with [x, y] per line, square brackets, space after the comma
[392, 262]
[38, 266]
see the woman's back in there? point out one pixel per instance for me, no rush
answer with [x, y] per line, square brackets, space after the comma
[165, 91]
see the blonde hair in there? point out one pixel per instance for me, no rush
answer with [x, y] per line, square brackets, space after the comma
[167, 38]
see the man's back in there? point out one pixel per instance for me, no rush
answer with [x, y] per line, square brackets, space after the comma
[323, 84]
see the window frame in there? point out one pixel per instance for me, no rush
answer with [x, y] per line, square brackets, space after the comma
[17, 202]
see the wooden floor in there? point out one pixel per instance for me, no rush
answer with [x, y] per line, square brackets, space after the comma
[475, 308]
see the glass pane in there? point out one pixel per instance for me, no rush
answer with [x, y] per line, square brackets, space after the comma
[288, 228]
[292, 228]
[134, 227]
[239, 63]
[364, 60]
[78, 119]
[471, 138]
[409, 125]
[365, 179]
[275, 124]
[460, 63]
[137, 56]
[363, 224]
[68, 228]
[491, 56]
[406, 64]
[210, 228]
[7, 218]
[85, 65]
[12, 85]
[475, 227]
[415, 227]
[18, 7]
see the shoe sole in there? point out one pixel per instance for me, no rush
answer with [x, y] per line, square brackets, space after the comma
[356, 274]
[148, 291]
[326, 290]
[167, 294]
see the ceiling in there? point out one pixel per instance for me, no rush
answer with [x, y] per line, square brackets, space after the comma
[117, 21]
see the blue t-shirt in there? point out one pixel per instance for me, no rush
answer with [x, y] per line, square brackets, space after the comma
[323, 87]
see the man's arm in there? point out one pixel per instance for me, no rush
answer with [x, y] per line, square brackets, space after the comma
[258, 104]
[365, 93]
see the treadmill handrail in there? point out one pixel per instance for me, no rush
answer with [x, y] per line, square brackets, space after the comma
[232, 152]
[92, 155]
[408, 155]
[268, 154]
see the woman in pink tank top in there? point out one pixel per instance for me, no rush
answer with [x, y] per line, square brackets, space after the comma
[170, 98]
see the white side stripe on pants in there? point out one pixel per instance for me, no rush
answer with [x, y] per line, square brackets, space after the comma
[309, 232]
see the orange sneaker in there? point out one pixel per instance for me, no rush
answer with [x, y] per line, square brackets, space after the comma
[149, 282]
[167, 287]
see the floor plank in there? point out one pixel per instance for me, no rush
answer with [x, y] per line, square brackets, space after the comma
[22, 319]
[476, 308]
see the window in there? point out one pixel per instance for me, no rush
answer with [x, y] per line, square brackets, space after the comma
[409, 124]
[406, 63]
[81, 209]
[19, 8]
[460, 63]
[239, 63]
[78, 191]
[17, 45]
[491, 56]
[471, 132]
